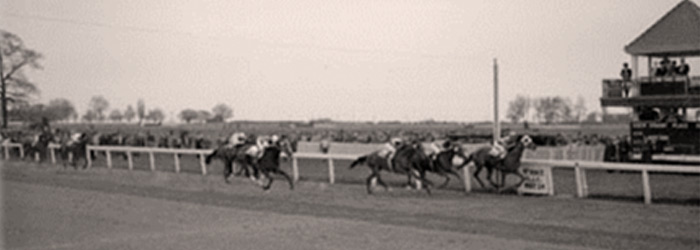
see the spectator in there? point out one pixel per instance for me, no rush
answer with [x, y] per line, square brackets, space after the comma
[623, 149]
[684, 68]
[626, 74]
[673, 69]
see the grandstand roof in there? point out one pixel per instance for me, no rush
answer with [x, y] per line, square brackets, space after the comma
[676, 33]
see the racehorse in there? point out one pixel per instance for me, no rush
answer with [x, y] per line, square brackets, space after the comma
[39, 144]
[270, 161]
[77, 149]
[443, 164]
[407, 160]
[509, 165]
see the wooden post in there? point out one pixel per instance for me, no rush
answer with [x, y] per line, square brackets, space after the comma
[7, 151]
[87, 156]
[108, 154]
[53, 155]
[203, 164]
[152, 160]
[21, 152]
[177, 163]
[647, 187]
[36, 157]
[467, 179]
[331, 171]
[295, 169]
[581, 182]
[130, 160]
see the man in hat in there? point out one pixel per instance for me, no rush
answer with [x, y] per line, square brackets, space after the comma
[626, 74]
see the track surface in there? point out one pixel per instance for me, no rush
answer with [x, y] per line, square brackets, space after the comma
[45, 207]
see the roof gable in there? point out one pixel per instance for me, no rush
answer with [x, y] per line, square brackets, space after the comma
[676, 33]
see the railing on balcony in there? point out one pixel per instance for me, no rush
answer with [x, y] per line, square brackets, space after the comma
[653, 86]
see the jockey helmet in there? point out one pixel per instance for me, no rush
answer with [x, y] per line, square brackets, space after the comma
[395, 141]
[274, 138]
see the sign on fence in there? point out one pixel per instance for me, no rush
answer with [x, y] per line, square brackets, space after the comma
[538, 180]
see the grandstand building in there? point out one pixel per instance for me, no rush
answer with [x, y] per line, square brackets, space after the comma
[665, 102]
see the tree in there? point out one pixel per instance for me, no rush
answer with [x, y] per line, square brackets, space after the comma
[188, 115]
[129, 113]
[90, 116]
[553, 109]
[99, 104]
[156, 115]
[222, 111]
[15, 87]
[141, 110]
[203, 115]
[60, 109]
[518, 108]
[116, 115]
[580, 109]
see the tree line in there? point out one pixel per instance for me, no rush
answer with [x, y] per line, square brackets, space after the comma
[549, 110]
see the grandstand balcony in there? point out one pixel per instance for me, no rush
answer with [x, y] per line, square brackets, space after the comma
[669, 91]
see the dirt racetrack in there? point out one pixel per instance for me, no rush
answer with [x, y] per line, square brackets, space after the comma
[47, 207]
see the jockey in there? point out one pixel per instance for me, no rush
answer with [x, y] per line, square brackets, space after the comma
[256, 151]
[501, 146]
[236, 139]
[389, 149]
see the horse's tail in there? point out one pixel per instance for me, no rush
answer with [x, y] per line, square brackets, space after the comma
[359, 161]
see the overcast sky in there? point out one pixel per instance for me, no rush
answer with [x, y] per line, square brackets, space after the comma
[348, 60]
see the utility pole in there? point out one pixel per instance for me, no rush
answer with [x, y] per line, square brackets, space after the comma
[496, 123]
[4, 94]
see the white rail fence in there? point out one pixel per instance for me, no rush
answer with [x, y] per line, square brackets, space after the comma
[579, 159]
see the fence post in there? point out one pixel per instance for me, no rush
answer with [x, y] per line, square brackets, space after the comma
[53, 155]
[467, 179]
[130, 160]
[295, 168]
[87, 156]
[581, 182]
[203, 164]
[177, 163]
[647, 187]
[331, 171]
[36, 157]
[108, 154]
[21, 151]
[7, 150]
[152, 160]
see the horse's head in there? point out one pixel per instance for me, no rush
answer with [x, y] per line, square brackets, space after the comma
[286, 146]
[527, 142]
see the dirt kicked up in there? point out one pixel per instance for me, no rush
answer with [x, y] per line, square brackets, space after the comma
[47, 207]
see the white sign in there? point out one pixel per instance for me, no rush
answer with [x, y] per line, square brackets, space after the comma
[538, 180]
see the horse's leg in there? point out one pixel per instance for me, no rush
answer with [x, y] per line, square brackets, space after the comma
[369, 181]
[522, 179]
[381, 182]
[489, 177]
[227, 170]
[425, 181]
[476, 175]
[447, 180]
[286, 176]
[269, 182]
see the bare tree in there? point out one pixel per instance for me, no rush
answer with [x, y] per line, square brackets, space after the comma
[141, 110]
[222, 111]
[156, 115]
[517, 109]
[580, 109]
[129, 113]
[14, 85]
[99, 104]
[116, 115]
[188, 115]
[60, 109]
